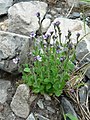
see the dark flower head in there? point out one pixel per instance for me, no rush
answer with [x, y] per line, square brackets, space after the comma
[78, 35]
[32, 34]
[38, 14]
[57, 23]
[69, 33]
[46, 36]
[62, 59]
[51, 32]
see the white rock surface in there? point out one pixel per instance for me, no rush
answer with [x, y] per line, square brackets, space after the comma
[4, 6]
[75, 26]
[45, 24]
[31, 117]
[4, 85]
[19, 104]
[22, 16]
[12, 47]
[74, 3]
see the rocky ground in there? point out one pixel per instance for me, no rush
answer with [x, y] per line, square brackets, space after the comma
[17, 20]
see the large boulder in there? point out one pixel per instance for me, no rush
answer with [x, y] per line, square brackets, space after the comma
[75, 26]
[13, 51]
[23, 16]
[4, 6]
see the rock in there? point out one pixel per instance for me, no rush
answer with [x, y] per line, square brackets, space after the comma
[4, 85]
[45, 24]
[40, 117]
[23, 18]
[32, 98]
[11, 116]
[67, 107]
[40, 104]
[73, 2]
[31, 117]
[13, 51]
[47, 97]
[19, 104]
[4, 25]
[4, 6]
[83, 94]
[75, 26]
[83, 53]
[50, 109]
[1, 116]
[74, 15]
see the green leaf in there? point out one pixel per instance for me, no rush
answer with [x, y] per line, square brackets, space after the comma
[36, 90]
[46, 80]
[58, 93]
[48, 86]
[71, 116]
[27, 70]
[57, 85]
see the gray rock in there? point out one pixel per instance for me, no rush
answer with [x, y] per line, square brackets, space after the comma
[1, 117]
[11, 116]
[67, 107]
[4, 85]
[83, 53]
[40, 117]
[83, 94]
[73, 2]
[47, 97]
[22, 16]
[19, 104]
[40, 104]
[31, 117]
[50, 109]
[32, 98]
[4, 6]
[74, 15]
[13, 51]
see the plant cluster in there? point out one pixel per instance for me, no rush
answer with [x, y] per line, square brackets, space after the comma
[52, 64]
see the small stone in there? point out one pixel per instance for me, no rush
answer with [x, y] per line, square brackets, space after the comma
[67, 107]
[40, 117]
[4, 85]
[40, 104]
[83, 94]
[31, 117]
[74, 15]
[45, 24]
[50, 109]
[47, 97]
[32, 98]
[53, 12]
[48, 16]
[19, 104]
